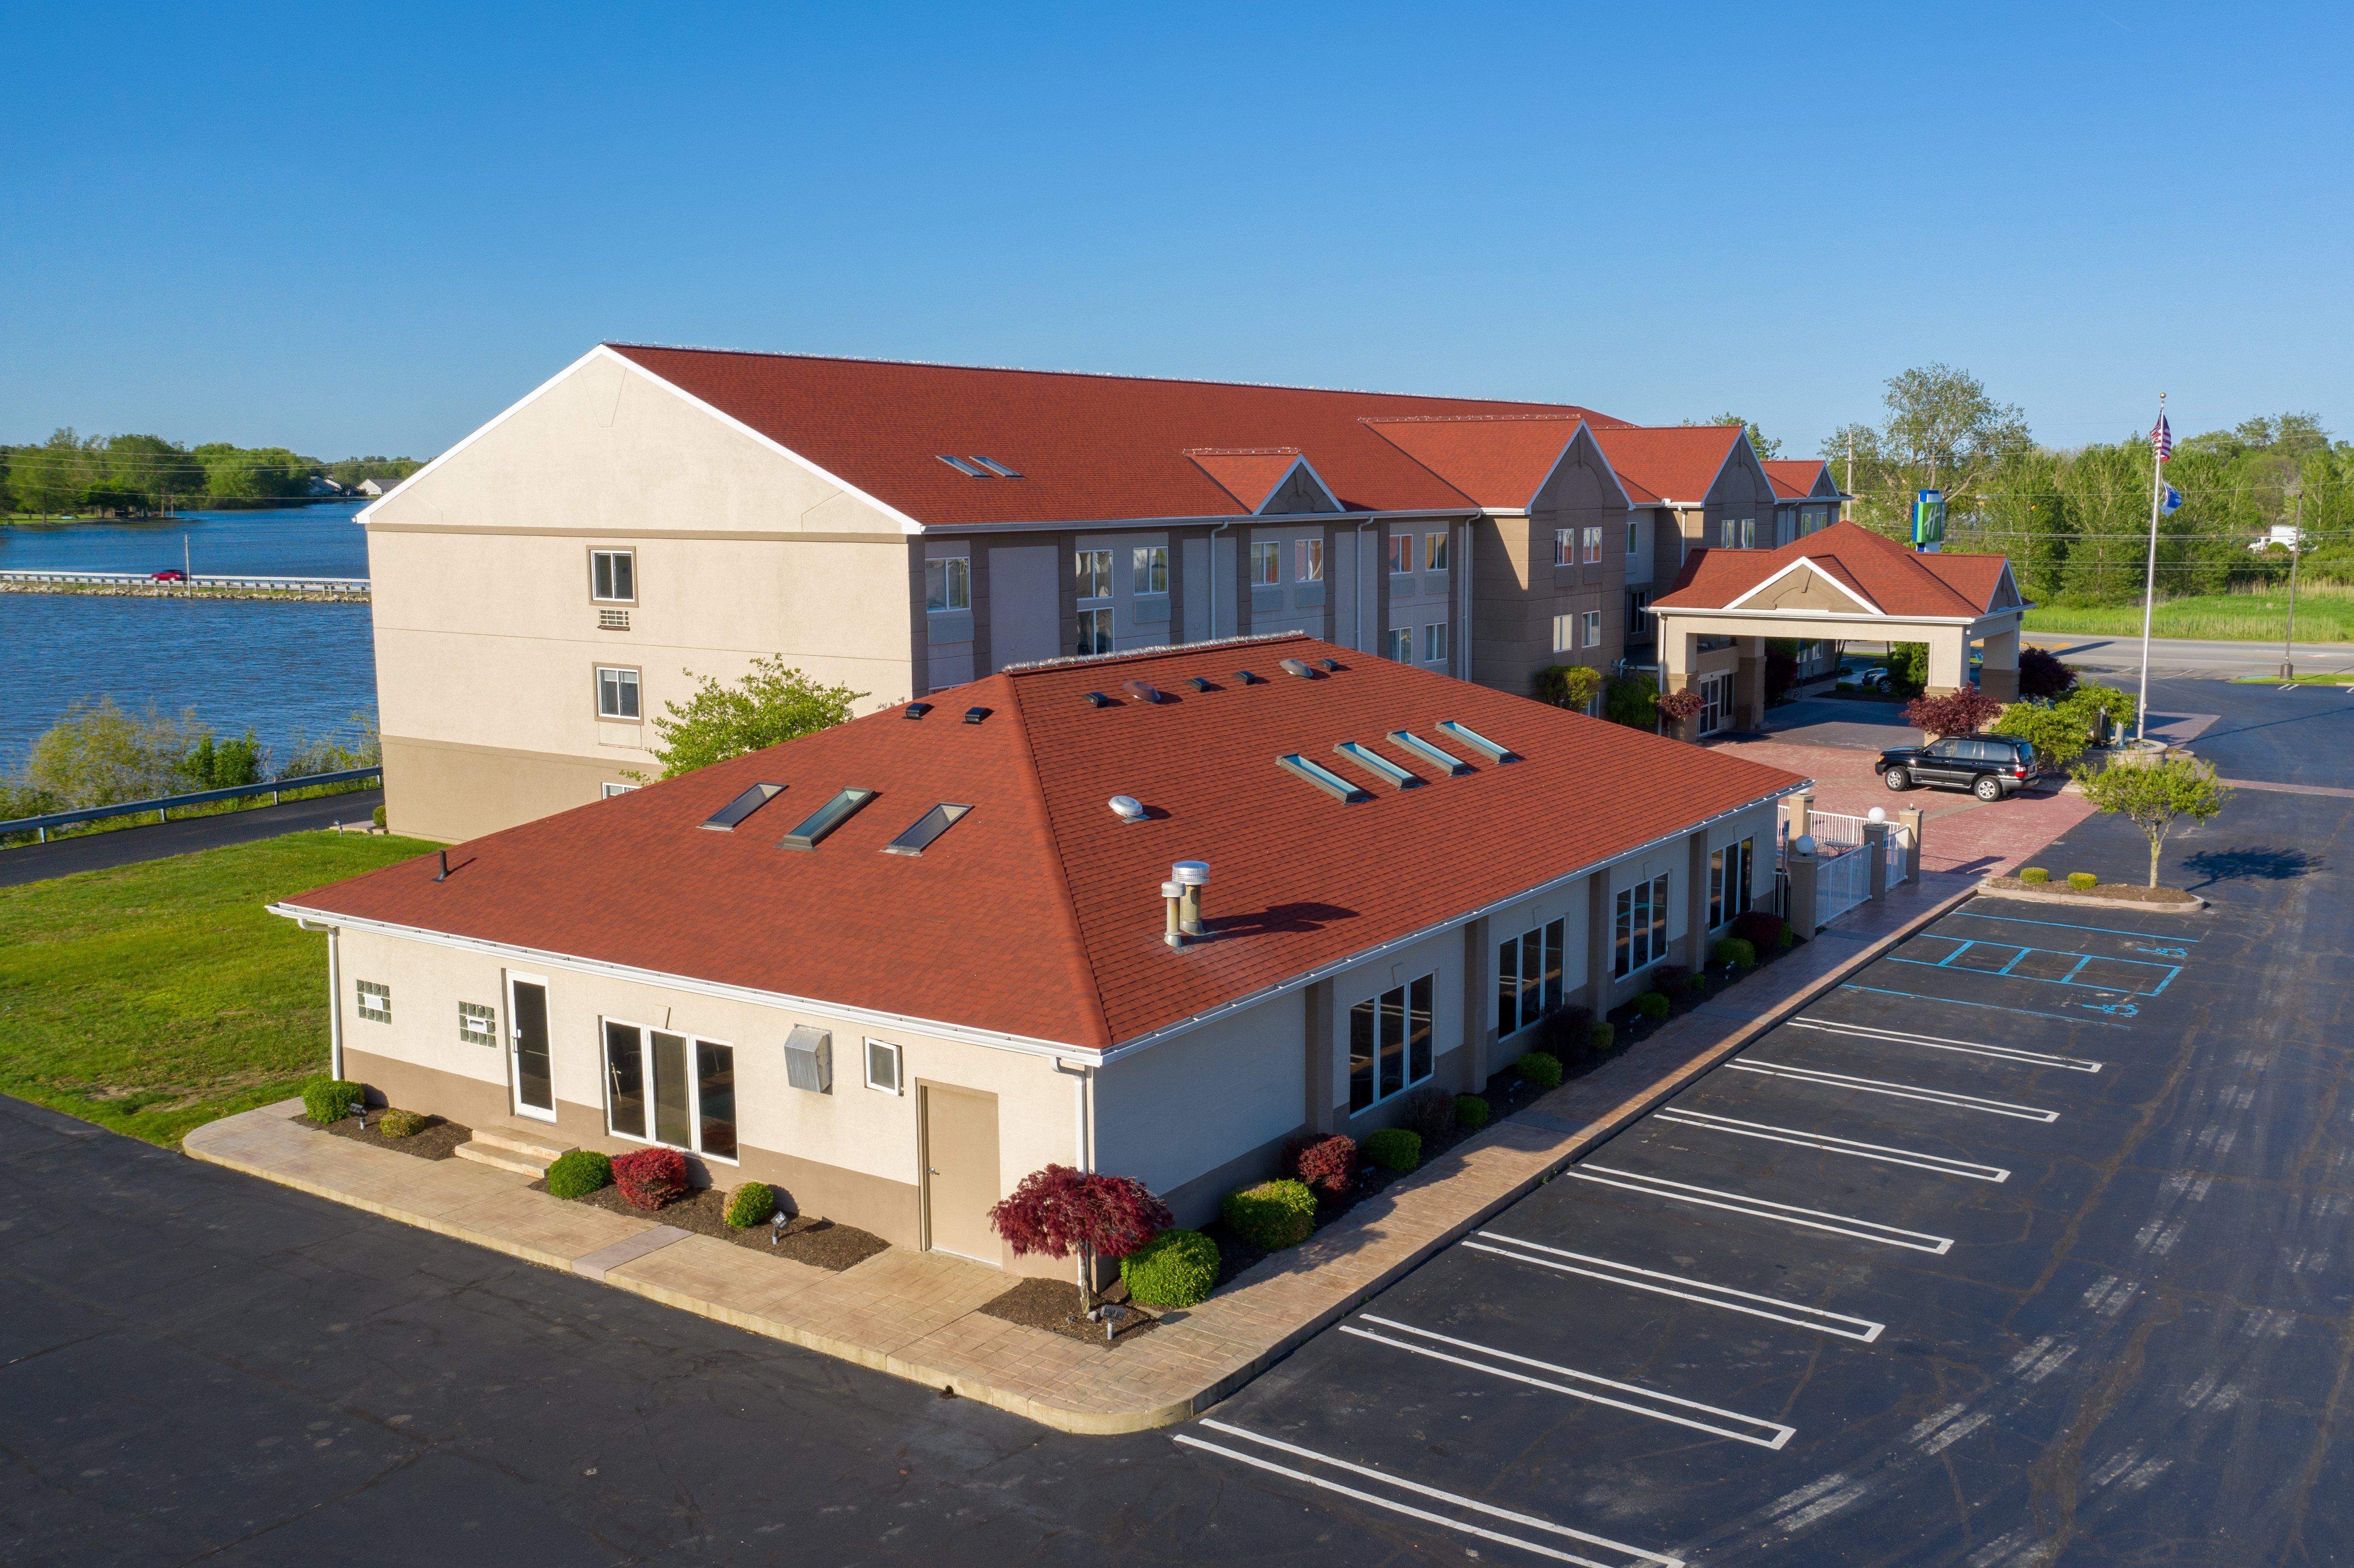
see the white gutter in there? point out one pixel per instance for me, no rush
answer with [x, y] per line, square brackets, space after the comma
[1357, 589]
[1214, 583]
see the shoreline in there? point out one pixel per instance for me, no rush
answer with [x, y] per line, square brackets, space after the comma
[183, 590]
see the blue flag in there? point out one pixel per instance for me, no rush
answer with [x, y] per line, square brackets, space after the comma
[2173, 502]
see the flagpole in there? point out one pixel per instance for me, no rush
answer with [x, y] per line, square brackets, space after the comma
[2150, 575]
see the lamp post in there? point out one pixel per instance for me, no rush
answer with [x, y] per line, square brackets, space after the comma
[2295, 540]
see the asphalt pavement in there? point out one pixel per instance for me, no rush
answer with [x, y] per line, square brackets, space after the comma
[2187, 656]
[154, 841]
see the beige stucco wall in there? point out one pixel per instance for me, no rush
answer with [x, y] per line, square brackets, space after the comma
[1519, 592]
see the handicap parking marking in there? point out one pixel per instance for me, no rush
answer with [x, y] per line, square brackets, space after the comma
[1631, 1397]
[1626, 1556]
[1872, 1035]
[1919, 1159]
[2129, 1010]
[1683, 1287]
[1946, 1097]
[1762, 1208]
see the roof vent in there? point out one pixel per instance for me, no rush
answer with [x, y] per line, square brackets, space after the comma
[1200, 683]
[1324, 777]
[1188, 877]
[1096, 699]
[825, 819]
[1127, 807]
[1303, 669]
[917, 710]
[1248, 679]
[1455, 767]
[1478, 742]
[1142, 690]
[1328, 665]
[974, 716]
[725, 818]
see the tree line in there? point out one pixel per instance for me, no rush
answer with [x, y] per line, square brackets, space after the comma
[135, 474]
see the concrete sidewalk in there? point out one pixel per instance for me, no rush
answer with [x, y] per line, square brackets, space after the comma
[915, 1314]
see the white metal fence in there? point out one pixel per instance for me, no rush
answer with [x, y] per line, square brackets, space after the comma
[1842, 882]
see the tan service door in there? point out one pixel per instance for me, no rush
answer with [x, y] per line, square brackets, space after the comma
[959, 1156]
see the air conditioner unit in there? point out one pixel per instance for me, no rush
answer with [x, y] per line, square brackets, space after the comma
[809, 1059]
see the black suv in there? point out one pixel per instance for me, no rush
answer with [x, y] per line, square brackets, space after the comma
[1987, 765]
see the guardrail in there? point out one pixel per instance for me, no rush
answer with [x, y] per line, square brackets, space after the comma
[162, 806]
[200, 580]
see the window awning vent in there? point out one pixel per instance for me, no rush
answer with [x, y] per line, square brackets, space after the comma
[1478, 742]
[1407, 741]
[825, 819]
[924, 829]
[809, 1059]
[729, 816]
[1324, 777]
[1380, 766]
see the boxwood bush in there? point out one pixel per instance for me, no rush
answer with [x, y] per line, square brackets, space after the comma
[1651, 1004]
[326, 1100]
[401, 1123]
[1471, 1112]
[1606, 1035]
[2083, 880]
[1541, 1069]
[2034, 874]
[1736, 951]
[1272, 1215]
[751, 1204]
[1175, 1268]
[576, 1172]
[1397, 1148]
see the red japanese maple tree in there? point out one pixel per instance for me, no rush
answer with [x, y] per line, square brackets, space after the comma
[1965, 712]
[1058, 1211]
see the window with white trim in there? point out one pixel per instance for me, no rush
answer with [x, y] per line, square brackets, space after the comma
[374, 1002]
[1091, 576]
[1390, 1042]
[1634, 532]
[1401, 555]
[948, 583]
[1564, 547]
[1642, 929]
[662, 1086]
[1148, 569]
[616, 693]
[1091, 573]
[1434, 552]
[1527, 976]
[1266, 564]
[1594, 629]
[883, 1067]
[478, 1024]
[1593, 545]
[1434, 642]
[1565, 633]
[613, 576]
[1729, 871]
[607, 790]
[1308, 561]
[1402, 644]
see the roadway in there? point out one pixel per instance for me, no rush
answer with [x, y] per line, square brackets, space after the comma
[154, 841]
[2182, 657]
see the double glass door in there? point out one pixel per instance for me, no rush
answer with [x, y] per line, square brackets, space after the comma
[663, 1087]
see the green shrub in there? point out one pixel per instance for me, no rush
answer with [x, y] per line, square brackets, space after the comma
[751, 1204]
[1651, 1004]
[376, 816]
[1541, 1069]
[1736, 951]
[2034, 874]
[2083, 880]
[329, 1099]
[1430, 1111]
[1568, 686]
[1272, 1215]
[1606, 1035]
[1397, 1147]
[578, 1172]
[1471, 1112]
[1175, 1268]
[1762, 928]
[401, 1123]
[1633, 701]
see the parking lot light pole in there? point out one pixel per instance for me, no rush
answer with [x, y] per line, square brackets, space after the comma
[2295, 540]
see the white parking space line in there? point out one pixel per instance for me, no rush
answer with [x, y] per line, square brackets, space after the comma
[1798, 1314]
[1938, 1042]
[1897, 1091]
[1636, 1399]
[1919, 1161]
[1763, 1208]
[1630, 1555]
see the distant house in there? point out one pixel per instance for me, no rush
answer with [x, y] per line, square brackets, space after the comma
[374, 487]
[319, 484]
[2279, 536]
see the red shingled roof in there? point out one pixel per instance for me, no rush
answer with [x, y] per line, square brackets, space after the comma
[1794, 477]
[1670, 462]
[1039, 914]
[1497, 461]
[1088, 448]
[1250, 477]
[1897, 580]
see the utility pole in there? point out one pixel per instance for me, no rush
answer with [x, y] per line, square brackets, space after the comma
[1848, 500]
[2296, 544]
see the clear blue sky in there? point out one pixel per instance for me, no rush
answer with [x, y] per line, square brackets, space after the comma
[351, 232]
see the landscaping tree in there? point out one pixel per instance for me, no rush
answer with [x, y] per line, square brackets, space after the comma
[1568, 686]
[1632, 701]
[1908, 667]
[1965, 712]
[1765, 447]
[772, 703]
[2041, 677]
[1058, 1211]
[2090, 699]
[2151, 797]
[1943, 431]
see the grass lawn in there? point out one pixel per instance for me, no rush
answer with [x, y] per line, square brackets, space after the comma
[2337, 680]
[2325, 613]
[153, 997]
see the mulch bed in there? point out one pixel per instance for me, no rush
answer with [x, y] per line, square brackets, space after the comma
[1054, 1305]
[438, 1139]
[703, 1210]
[2110, 892]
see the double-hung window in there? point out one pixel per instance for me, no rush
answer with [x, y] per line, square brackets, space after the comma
[1266, 564]
[1527, 976]
[1401, 555]
[948, 583]
[1634, 534]
[1091, 576]
[616, 693]
[1642, 932]
[1564, 547]
[661, 1088]
[1308, 560]
[1390, 1042]
[1729, 871]
[1401, 644]
[613, 577]
[1434, 552]
[1148, 570]
[1740, 534]
[1434, 642]
[1593, 545]
[1594, 629]
[1565, 633]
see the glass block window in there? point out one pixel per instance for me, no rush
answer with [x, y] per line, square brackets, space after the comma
[375, 1002]
[477, 1024]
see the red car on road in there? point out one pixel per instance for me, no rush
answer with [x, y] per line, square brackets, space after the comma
[169, 575]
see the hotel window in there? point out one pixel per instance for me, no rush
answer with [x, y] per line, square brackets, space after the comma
[1402, 643]
[1308, 561]
[1642, 936]
[616, 693]
[948, 583]
[613, 576]
[1593, 545]
[1091, 573]
[1634, 532]
[1809, 520]
[1740, 535]
[1594, 629]
[1527, 976]
[1266, 564]
[1095, 631]
[1148, 569]
[375, 1002]
[1434, 642]
[1564, 547]
[1729, 871]
[1565, 633]
[1434, 552]
[1401, 555]
[661, 1088]
[1390, 1042]
[477, 1024]
[881, 1067]
[607, 790]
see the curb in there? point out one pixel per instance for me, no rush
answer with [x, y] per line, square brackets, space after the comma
[2030, 896]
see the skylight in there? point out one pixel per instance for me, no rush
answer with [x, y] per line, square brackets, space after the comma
[995, 467]
[826, 817]
[1379, 766]
[1324, 777]
[1405, 741]
[1478, 742]
[964, 466]
[725, 818]
[924, 829]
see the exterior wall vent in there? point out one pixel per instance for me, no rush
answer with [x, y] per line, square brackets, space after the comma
[809, 1059]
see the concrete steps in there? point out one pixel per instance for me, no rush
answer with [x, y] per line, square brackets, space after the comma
[525, 1149]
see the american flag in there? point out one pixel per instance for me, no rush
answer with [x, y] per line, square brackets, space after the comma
[2161, 438]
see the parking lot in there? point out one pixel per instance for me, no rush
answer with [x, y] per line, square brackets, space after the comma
[1959, 1263]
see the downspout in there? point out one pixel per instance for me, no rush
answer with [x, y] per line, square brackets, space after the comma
[1463, 583]
[1081, 1082]
[334, 995]
[1213, 637]
[1357, 587]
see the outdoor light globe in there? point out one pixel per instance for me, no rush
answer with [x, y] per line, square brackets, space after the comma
[1804, 843]
[1877, 814]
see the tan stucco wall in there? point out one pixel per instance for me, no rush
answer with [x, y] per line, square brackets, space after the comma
[1519, 591]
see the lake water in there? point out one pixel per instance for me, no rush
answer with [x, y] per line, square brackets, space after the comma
[272, 665]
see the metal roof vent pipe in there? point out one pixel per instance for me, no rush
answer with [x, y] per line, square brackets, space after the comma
[1191, 876]
[1172, 895]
